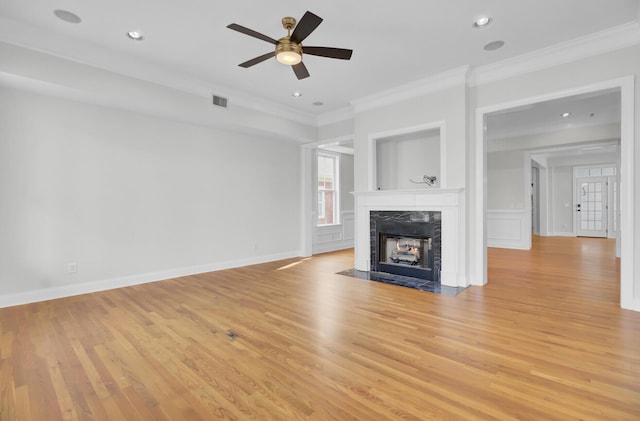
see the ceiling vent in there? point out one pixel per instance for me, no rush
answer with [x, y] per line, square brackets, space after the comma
[220, 101]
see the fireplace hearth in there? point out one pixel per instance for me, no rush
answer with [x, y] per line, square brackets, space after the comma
[406, 243]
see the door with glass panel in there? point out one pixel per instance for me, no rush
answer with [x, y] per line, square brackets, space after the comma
[591, 206]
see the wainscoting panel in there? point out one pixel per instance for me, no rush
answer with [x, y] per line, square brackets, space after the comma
[335, 237]
[508, 229]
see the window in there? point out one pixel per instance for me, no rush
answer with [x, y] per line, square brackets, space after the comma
[595, 171]
[327, 189]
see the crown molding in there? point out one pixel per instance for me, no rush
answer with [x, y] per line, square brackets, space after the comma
[590, 45]
[439, 82]
[336, 116]
[25, 36]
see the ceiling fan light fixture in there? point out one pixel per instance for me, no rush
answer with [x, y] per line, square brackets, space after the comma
[288, 52]
[290, 58]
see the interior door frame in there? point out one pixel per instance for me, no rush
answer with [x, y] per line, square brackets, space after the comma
[626, 187]
[308, 213]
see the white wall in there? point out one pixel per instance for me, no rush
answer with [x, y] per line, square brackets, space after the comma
[447, 105]
[346, 182]
[401, 159]
[131, 197]
[46, 74]
[562, 211]
[505, 180]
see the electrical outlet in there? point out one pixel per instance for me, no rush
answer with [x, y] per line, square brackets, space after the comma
[72, 267]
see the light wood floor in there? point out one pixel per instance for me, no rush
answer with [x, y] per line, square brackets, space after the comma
[544, 340]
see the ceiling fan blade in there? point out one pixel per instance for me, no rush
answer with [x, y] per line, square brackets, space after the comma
[257, 60]
[251, 33]
[300, 70]
[308, 23]
[339, 53]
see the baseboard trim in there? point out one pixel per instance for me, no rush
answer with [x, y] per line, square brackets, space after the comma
[332, 246]
[27, 297]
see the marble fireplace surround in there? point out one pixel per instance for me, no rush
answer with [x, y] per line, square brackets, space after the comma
[446, 201]
[415, 224]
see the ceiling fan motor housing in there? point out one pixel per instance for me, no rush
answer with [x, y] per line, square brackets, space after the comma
[286, 46]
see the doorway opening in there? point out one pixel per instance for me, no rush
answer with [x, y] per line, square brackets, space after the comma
[625, 88]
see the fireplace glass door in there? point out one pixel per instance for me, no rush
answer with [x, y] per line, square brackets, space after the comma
[407, 251]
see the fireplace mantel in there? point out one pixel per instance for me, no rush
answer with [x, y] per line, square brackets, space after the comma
[447, 201]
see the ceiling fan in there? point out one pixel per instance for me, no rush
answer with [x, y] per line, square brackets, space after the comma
[289, 49]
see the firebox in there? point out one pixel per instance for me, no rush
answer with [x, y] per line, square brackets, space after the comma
[406, 243]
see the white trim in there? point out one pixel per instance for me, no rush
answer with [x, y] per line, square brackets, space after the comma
[333, 246]
[307, 216]
[565, 52]
[335, 237]
[337, 213]
[306, 201]
[335, 141]
[508, 229]
[635, 306]
[562, 234]
[336, 116]
[527, 221]
[447, 201]
[435, 83]
[628, 296]
[478, 255]
[9, 300]
[442, 177]
[627, 266]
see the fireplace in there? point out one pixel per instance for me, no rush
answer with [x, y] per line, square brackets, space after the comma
[406, 243]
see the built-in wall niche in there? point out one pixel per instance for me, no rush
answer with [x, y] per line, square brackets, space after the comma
[405, 161]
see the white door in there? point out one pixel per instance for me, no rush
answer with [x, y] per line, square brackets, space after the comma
[591, 207]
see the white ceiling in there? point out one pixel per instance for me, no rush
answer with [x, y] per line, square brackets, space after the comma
[187, 44]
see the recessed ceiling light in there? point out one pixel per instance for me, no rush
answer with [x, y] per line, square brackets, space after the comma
[297, 94]
[135, 35]
[565, 115]
[482, 21]
[67, 16]
[494, 45]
